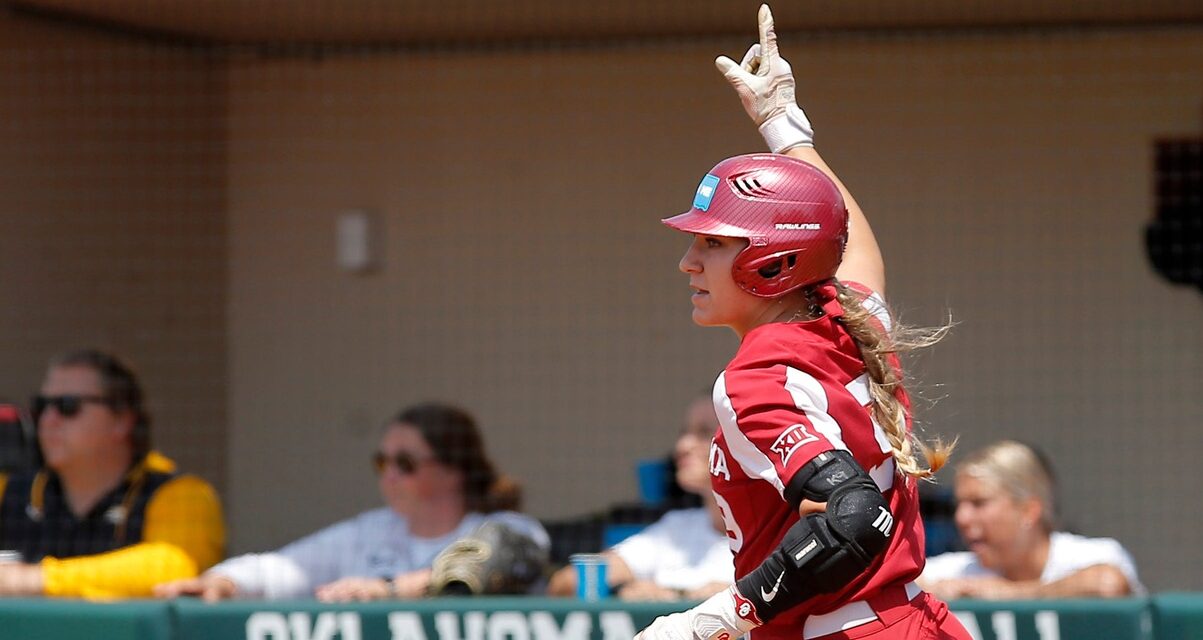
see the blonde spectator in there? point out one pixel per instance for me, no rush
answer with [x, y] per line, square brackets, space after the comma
[1006, 515]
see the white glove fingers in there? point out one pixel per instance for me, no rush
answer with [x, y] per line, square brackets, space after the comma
[768, 34]
[727, 67]
[751, 60]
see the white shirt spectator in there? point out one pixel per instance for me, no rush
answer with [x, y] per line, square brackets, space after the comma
[375, 543]
[682, 550]
[1067, 554]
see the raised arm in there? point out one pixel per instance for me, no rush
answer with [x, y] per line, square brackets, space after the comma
[766, 87]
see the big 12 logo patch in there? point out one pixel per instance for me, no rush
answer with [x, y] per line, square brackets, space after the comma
[787, 443]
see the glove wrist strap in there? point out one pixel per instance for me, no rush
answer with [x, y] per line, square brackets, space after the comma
[788, 130]
[726, 615]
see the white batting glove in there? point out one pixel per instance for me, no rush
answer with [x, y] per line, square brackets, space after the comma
[765, 84]
[715, 619]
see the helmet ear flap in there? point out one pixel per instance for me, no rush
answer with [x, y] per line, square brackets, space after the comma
[774, 268]
[770, 271]
[770, 275]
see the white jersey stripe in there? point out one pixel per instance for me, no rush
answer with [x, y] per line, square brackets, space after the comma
[859, 389]
[882, 474]
[754, 463]
[876, 305]
[811, 398]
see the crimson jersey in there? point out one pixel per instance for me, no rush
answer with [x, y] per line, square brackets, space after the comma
[793, 391]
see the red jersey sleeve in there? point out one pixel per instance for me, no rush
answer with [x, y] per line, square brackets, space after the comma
[780, 410]
[774, 423]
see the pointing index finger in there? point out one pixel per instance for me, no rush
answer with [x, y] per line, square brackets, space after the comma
[768, 35]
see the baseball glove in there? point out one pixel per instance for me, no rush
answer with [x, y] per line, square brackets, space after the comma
[494, 559]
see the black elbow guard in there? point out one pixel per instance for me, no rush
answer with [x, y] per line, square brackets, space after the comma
[823, 552]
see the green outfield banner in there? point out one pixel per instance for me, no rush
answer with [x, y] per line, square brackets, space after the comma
[1166, 617]
[1178, 616]
[1128, 619]
[558, 619]
[511, 618]
[77, 620]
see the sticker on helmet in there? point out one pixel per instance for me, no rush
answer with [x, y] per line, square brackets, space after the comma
[701, 200]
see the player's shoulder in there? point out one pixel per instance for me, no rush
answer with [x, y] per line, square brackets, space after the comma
[860, 288]
[796, 344]
[872, 301]
[773, 355]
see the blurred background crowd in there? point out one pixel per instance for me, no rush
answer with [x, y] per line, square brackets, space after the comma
[304, 221]
[90, 509]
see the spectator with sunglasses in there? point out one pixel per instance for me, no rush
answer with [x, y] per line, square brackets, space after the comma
[438, 486]
[105, 516]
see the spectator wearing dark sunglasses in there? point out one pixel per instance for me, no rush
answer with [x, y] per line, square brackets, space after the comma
[438, 486]
[105, 516]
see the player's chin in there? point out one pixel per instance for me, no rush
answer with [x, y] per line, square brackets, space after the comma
[704, 318]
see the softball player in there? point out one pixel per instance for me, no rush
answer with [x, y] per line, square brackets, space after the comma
[814, 463]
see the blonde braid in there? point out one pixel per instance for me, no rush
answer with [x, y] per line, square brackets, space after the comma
[885, 381]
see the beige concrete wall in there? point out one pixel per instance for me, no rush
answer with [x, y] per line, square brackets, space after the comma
[526, 277]
[112, 225]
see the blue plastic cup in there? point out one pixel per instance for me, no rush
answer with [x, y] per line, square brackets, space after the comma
[590, 576]
[653, 481]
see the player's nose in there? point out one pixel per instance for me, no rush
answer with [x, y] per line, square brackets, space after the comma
[689, 262]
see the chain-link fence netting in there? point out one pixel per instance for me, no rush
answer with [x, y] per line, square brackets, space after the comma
[298, 220]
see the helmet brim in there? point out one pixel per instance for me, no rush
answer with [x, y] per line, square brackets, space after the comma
[693, 221]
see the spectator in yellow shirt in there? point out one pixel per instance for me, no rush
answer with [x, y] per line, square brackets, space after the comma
[105, 516]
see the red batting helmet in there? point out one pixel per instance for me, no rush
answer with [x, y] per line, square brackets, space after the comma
[791, 213]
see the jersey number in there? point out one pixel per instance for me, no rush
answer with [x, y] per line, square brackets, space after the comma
[735, 536]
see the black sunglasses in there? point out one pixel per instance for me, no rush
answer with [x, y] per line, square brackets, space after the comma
[406, 462]
[67, 405]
